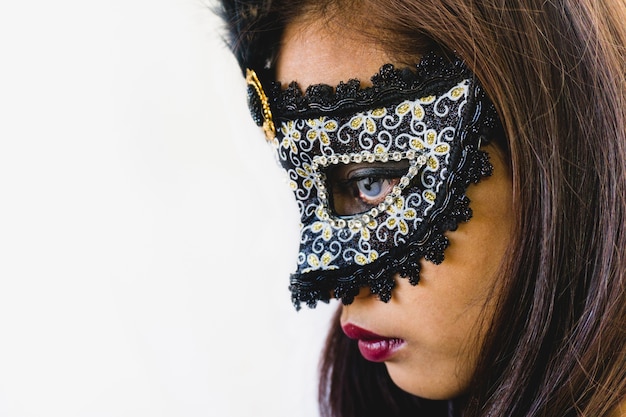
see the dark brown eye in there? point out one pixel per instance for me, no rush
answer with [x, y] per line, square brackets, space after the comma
[358, 187]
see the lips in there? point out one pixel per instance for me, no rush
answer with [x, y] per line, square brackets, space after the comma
[373, 347]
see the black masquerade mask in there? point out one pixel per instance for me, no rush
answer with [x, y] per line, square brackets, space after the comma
[379, 173]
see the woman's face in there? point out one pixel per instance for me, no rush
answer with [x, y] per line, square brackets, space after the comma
[427, 335]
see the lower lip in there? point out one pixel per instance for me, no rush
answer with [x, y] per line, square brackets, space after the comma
[379, 350]
[373, 347]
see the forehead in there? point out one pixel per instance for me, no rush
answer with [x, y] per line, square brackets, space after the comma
[321, 52]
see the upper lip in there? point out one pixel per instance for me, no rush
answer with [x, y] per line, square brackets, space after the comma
[356, 332]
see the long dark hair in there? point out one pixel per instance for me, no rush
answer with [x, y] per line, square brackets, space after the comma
[556, 71]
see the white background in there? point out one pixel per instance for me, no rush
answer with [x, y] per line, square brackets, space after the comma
[146, 232]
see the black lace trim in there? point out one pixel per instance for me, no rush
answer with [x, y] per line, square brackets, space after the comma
[431, 75]
[428, 241]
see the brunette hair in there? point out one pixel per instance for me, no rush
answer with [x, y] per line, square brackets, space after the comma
[556, 72]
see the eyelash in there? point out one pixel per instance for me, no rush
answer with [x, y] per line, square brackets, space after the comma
[377, 174]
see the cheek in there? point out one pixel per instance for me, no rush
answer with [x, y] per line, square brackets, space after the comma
[452, 298]
[447, 314]
[444, 319]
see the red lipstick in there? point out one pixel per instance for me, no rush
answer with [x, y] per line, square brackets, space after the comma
[373, 347]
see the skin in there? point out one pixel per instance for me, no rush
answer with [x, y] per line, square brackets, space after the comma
[443, 319]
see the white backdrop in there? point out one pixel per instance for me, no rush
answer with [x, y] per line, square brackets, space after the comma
[146, 233]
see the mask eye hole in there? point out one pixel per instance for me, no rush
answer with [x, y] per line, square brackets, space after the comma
[355, 188]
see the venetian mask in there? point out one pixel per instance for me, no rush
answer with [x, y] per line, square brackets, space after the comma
[379, 173]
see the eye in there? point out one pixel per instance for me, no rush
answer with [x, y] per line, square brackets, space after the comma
[371, 189]
[358, 187]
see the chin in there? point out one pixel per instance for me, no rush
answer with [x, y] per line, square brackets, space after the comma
[429, 385]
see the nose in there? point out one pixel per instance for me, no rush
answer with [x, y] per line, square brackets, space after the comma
[382, 291]
[364, 292]
[361, 301]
